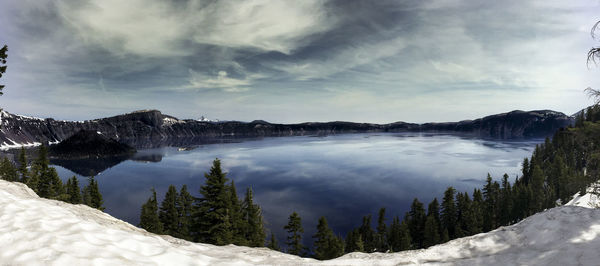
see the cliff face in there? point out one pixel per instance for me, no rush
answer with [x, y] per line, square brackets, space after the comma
[150, 128]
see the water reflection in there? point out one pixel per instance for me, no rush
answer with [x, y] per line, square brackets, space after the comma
[341, 177]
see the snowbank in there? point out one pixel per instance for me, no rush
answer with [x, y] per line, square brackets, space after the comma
[41, 231]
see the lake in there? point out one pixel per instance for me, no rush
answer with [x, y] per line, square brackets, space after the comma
[341, 177]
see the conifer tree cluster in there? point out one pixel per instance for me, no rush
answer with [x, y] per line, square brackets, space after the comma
[217, 217]
[44, 180]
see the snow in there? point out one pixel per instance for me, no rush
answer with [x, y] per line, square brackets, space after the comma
[42, 231]
[5, 146]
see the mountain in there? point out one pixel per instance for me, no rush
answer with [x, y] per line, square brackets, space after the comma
[50, 232]
[89, 144]
[150, 128]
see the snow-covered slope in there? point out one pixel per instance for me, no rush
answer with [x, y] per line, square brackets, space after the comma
[41, 231]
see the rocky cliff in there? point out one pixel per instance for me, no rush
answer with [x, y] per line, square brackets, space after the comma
[149, 128]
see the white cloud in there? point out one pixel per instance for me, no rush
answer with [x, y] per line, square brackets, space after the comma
[220, 80]
[343, 59]
[158, 28]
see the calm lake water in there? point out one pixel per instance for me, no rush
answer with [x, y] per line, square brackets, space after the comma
[341, 177]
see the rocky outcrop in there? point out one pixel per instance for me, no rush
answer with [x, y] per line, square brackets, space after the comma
[150, 128]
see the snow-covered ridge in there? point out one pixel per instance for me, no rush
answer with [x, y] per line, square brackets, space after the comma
[47, 232]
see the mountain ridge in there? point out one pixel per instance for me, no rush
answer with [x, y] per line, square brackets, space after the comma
[146, 128]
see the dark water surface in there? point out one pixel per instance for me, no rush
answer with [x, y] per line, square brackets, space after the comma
[342, 177]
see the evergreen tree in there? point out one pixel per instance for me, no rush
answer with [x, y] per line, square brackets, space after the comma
[8, 171]
[273, 243]
[168, 215]
[434, 210]
[381, 240]
[239, 226]
[367, 234]
[490, 210]
[354, 242]
[149, 216]
[295, 230]
[431, 235]
[449, 213]
[506, 201]
[211, 218]
[537, 189]
[22, 168]
[466, 217]
[416, 223]
[327, 245]
[184, 206]
[477, 207]
[72, 189]
[91, 195]
[255, 232]
[399, 238]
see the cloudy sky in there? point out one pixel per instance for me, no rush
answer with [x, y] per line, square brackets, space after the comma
[293, 61]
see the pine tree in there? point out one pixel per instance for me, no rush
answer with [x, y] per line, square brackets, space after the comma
[367, 234]
[91, 195]
[537, 189]
[434, 209]
[477, 207]
[431, 235]
[416, 223]
[449, 213]
[22, 168]
[72, 189]
[149, 215]
[354, 242]
[295, 230]
[184, 206]
[239, 225]
[273, 243]
[381, 240]
[168, 215]
[506, 201]
[211, 218]
[255, 232]
[8, 171]
[490, 201]
[466, 222]
[327, 245]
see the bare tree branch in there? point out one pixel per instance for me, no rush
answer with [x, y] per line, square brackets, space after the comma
[594, 53]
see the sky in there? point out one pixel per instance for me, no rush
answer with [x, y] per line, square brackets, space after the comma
[297, 61]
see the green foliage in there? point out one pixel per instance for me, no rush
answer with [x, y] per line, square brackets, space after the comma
[416, 223]
[22, 166]
[273, 243]
[168, 214]
[367, 235]
[149, 215]
[184, 207]
[8, 171]
[92, 197]
[327, 245]
[72, 189]
[212, 211]
[449, 213]
[255, 231]
[381, 244]
[431, 235]
[295, 230]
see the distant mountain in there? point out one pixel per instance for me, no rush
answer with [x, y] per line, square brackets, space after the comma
[149, 128]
